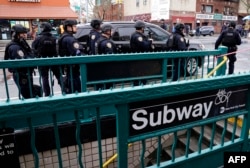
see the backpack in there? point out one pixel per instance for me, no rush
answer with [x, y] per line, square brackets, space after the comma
[171, 42]
[47, 46]
[62, 51]
[6, 53]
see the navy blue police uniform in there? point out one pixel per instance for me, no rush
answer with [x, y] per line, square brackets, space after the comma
[178, 42]
[138, 41]
[18, 48]
[105, 46]
[69, 46]
[94, 35]
[45, 46]
[229, 38]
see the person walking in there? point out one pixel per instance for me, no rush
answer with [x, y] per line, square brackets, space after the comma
[178, 42]
[18, 48]
[69, 46]
[163, 24]
[229, 38]
[45, 46]
[94, 35]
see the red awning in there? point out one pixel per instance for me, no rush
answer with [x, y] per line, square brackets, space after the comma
[34, 12]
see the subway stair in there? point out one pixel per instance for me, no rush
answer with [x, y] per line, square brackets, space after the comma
[181, 148]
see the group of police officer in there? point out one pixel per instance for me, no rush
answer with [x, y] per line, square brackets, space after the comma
[18, 48]
[99, 42]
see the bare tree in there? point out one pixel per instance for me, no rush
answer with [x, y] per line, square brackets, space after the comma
[247, 5]
[100, 11]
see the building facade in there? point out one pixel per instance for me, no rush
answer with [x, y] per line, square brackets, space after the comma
[190, 12]
[31, 13]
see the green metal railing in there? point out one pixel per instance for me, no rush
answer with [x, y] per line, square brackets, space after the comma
[119, 102]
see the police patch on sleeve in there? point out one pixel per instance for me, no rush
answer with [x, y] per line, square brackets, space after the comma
[182, 39]
[76, 45]
[140, 39]
[109, 45]
[20, 53]
[93, 37]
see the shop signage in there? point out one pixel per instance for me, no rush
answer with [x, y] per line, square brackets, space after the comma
[8, 152]
[218, 16]
[164, 113]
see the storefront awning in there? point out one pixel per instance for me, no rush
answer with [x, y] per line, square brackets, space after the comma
[35, 12]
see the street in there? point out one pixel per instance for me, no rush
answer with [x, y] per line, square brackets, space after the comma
[242, 65]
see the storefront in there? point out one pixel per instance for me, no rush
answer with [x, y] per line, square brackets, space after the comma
[215, 20]
[31, 17]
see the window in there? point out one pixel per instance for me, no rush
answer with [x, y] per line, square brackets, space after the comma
[207, 8]
[123, 33]
[145, 2]
[228, 10]
[137, 3]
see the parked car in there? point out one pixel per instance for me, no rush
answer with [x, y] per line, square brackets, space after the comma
[192, 32]
[122, 31]
[206, 30]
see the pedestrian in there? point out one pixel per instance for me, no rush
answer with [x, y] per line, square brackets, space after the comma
[163, 24]
[18, 48]
[68, 45]
[224, 27]
[94, 35]
[104, 44]
[229, 38]
[187, 29]
[178, 42]
[138, 41]
[45, 46]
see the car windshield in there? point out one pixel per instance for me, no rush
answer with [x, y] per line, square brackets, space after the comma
[156, 34]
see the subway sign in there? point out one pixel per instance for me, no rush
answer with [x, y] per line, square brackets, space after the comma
[158, 114]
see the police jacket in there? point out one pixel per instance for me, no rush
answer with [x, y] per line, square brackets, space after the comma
[140, 43]
[18, 49]
[68, 45]
[94, 35]
[179, 42]
[229, 38]
[44, 45]
[105, 45]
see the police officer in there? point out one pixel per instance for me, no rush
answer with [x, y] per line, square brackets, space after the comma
[69, 46]
[18, 48]
[45, 46]
[138, 41]
[94, 35]
[178, 42]
[104, 44]
[229, 38]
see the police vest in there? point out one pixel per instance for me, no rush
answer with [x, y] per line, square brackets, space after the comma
[229, 38]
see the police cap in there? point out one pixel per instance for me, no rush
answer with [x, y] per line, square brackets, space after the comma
[232, 24]
[106, 27]
[46, 27]
[95, 23]
[139, 24]
[179, 26]
[19, 29]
